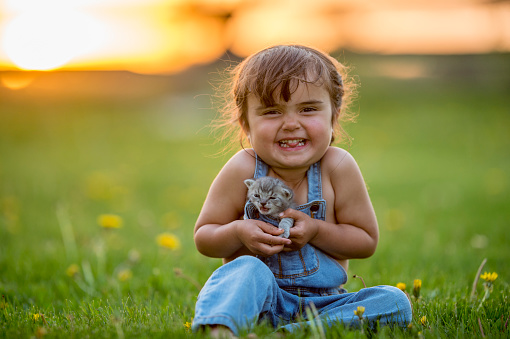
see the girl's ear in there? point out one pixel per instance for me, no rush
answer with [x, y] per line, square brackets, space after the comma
[245, 128]
[334, 123]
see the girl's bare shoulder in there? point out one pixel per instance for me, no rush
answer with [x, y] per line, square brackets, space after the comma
[227, 194]
[241, 165]
[337, 160]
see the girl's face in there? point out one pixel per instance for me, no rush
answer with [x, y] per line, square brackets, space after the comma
[291, 134]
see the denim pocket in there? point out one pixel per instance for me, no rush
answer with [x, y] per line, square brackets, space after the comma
[289, 265]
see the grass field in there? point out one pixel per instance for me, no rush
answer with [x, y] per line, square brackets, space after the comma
[434, 150]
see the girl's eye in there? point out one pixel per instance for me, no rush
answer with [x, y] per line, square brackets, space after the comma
[271, 112]
[309, 109]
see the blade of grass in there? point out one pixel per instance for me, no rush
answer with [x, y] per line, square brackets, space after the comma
[66, 229]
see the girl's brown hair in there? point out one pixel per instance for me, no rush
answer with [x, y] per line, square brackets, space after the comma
[283, 67]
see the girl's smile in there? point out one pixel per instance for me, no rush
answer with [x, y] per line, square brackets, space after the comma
[294, 133]
[292, 143]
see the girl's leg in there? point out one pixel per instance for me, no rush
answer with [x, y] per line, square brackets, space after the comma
[235, 295]
[386, 304]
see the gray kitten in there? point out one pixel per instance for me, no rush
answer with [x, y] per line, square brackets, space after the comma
[271, 197]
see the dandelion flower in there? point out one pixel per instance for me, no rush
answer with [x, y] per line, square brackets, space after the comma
[416, 288]
[187, 326]
[125, 274]
[417, 283]
[359, 311]
[401, 286]
[487, 285]
[109, 221]
[489, 277]
[72, 270]
[423, 320]
[36, 316]
[168, 240]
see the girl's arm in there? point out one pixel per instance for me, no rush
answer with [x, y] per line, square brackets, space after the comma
[219, 231]
[350, 230]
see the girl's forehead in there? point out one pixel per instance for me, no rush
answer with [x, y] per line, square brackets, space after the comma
[301, 93]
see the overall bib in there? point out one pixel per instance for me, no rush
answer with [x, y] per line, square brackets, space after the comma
[308, 271]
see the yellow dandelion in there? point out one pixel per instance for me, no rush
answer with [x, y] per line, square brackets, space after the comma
[416, 288]
[109, 221]
[36, 316]
[72, 270]
[401, 286]
[125, 274]
[423, 320]
[168, 240]
[359, 311]
[187, 326]
[417, 283]
[489, 277]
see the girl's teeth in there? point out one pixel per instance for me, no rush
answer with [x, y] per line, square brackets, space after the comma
[292, 143]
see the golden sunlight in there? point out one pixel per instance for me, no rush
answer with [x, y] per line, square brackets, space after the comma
[16, 80]
[48, 39]
[164, 36]
[148, 36]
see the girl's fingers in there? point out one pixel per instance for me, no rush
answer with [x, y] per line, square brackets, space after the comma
[291, 213]
[270, 229]
[267, 250]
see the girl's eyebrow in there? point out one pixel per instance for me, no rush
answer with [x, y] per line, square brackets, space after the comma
[311, 102]
[304, 103]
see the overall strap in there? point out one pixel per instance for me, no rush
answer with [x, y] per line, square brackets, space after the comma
[314, 182]
[261, 168]
[313, 175]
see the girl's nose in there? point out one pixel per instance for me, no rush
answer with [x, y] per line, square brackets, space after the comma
[290, 122]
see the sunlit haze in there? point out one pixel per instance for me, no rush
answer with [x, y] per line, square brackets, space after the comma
[162, 36]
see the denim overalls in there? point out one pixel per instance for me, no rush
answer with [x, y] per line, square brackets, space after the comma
[278, 289]
[308, 271]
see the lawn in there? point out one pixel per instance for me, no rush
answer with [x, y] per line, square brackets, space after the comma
[432, 140]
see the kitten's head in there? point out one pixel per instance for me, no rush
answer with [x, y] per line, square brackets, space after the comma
[269, 195]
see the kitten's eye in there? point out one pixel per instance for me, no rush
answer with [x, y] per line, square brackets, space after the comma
[256, 195]
[272, 198]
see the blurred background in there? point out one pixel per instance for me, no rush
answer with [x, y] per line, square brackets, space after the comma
[118, 49]
[104, 107]
[167, 36]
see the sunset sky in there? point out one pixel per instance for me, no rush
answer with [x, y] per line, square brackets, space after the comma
[165, 36]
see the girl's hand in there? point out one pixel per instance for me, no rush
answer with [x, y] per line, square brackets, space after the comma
[261, 238]
[305, 229]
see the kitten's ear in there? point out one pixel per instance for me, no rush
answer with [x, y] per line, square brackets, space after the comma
[249, 182]
[287, 193]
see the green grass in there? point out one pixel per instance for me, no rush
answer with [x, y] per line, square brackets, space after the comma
[434, 152]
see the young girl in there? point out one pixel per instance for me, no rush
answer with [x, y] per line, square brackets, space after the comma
[287, 101]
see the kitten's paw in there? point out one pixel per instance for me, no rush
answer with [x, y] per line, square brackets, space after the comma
[286, 224]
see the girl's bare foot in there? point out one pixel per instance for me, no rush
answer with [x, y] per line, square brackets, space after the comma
[221, 332]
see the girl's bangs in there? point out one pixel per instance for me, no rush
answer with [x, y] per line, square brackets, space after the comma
[273, 81]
